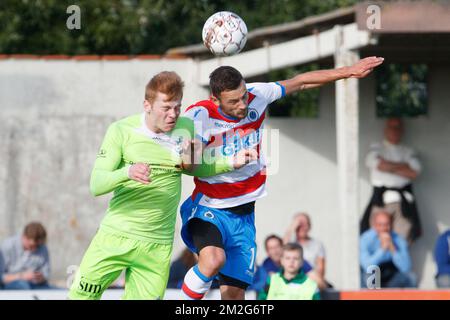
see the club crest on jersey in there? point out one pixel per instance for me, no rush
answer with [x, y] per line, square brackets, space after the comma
[253, 115]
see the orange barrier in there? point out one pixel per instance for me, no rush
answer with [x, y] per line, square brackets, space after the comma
[395, 294]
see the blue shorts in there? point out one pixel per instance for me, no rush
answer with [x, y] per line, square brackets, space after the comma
[238, 236]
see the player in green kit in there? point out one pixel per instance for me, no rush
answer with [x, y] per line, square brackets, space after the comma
[141, 159]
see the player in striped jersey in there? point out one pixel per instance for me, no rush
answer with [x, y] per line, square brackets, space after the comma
[141, 160]
[218, 219]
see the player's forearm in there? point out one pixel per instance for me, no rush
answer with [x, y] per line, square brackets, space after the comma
[314, 79]
[324, 76]
[208, 169]
[188, 167]
[104, 181]
[311, 86]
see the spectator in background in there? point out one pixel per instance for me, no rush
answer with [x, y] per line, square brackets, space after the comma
[290, 283]
[442, 256]
[24, 260]
[179, 267]
[393, 167]
[380, 246]
[313, 249]
[274, 249]
[272, 264]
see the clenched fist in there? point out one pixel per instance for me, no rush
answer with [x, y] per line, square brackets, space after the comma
[140, 172]
[244, 156]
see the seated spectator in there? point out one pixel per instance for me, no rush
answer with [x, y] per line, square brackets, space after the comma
[442, 256]
[313, 249]
[290, 283]
[180, 267]
[274, 249]
[24, 260]
[380, 246]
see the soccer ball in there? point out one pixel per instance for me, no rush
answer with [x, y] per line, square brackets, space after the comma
[224, 33]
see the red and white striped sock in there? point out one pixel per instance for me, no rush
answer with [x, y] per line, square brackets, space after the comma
[195, 284]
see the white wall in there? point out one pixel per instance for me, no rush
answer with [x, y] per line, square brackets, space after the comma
[54, 115]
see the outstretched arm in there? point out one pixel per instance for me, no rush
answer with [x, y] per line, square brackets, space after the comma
[318, 78]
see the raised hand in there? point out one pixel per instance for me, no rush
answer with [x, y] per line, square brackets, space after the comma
[140, 172]
[364, 66]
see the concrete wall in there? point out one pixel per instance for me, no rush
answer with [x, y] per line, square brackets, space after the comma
[54, 115]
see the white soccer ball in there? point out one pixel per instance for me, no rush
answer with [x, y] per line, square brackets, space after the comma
[224, 33]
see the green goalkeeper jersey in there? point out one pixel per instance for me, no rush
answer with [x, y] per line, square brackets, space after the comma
[144, 211]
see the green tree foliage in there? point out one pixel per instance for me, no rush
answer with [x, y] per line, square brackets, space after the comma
[131, 26]
[149, 27]
[402, 90]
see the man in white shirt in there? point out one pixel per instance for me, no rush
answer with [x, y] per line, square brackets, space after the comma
[393, 168]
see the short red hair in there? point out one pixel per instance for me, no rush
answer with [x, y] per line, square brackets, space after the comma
[166, 82]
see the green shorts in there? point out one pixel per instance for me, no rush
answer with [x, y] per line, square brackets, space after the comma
[146, 266]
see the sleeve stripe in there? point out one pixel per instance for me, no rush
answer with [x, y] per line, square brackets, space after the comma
[283, 89]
